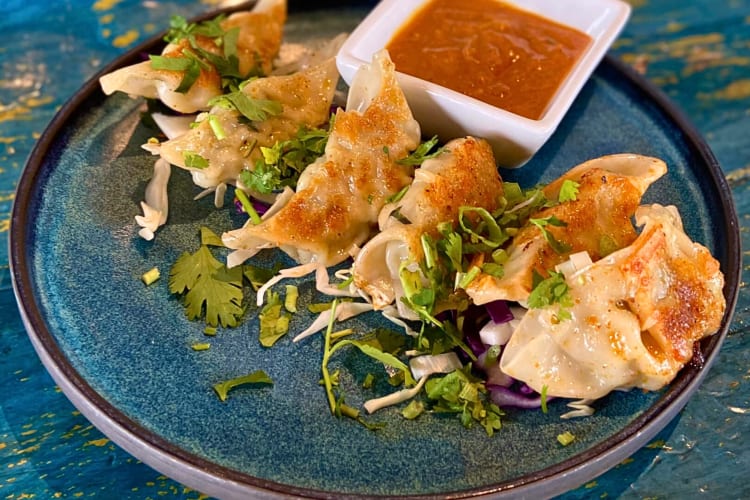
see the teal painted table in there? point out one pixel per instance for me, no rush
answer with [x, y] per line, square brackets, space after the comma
[697, 52]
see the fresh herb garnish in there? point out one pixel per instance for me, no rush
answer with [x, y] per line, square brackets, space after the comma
[423, 152]
[283, 163]
[558, 246]
[462, 393]
[255, 110]
[568, 191]
[274, 322]
[258, 377]
[195, 56]
[551, 290]
[209, 289]
[194, 160]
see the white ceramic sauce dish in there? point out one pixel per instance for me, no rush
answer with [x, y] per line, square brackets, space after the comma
[450, 114]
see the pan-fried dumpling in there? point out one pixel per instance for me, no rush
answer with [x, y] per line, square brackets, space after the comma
[339, 196]
[303, 98]
[636, 315]
[464, 174]
[598, 222]
[258, 39]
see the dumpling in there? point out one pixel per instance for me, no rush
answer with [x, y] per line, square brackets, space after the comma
[598, 222]
[636, 314]
[464, 174]
[305, 99]
[339, 196]
[259, 37]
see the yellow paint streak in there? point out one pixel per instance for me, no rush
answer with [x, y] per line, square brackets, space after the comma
[97, 442]
[590, 485]
[14, 112]
[126, 39]
[739, 89]
[106, 33]
[10, 140]
[30, 449]
[33, 102]
[687, 43]
[674, 27]
[101, 5]
[107, 18]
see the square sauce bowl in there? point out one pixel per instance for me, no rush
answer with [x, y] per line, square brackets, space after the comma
[449, 113]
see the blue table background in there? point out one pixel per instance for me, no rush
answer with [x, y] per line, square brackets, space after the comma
[697, 52]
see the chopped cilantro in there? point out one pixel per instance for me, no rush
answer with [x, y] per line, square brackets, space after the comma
[274, 323]
[283, 163]
[422, 153]
[566, 438]
[226, 63]
[462, 393]
[150, 276]
[255, 110]
[556, 245]
[189, 65]
[201, 346]
[194, 160]
[258, 377]
[551, 290]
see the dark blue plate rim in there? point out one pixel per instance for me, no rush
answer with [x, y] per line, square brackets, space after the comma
[575, 470]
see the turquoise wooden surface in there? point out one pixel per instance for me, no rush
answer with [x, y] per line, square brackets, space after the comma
[697, 52]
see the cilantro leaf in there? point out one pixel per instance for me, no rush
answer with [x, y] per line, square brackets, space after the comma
[189, 65]
[422, 153]
[194, 160]
[274, 323]
[255, 110]
[551, 290]
[375, 353]
[209, 289]
[461, 393]
[568, 191]
[258, 377]
[283, 163]
[557, 245]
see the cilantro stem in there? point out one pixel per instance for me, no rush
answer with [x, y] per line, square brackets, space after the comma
[247, 206]
[326, 356]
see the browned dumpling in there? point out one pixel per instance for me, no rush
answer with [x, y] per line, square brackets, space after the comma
[464, 174]
[338, 197]
[635, 316]
[598, 222]
[305, 99]
[258, 42]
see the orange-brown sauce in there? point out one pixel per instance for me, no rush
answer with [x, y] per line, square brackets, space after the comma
[489, 50]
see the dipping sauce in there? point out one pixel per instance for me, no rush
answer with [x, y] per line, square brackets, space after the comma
[490, 50]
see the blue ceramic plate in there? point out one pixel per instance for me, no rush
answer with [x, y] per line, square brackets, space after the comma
[122, 351]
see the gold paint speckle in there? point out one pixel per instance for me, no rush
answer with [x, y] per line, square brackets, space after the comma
[101, 5]
[97, 442]
[126, 39]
